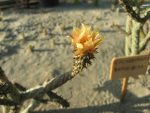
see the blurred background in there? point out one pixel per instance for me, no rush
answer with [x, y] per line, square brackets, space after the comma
[51, 3]
[34, 46]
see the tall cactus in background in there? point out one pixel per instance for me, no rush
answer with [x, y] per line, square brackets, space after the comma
[136, 38]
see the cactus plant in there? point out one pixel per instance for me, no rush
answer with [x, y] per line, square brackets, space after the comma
[136, 39]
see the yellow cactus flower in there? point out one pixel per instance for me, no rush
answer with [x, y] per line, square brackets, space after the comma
[85, 40]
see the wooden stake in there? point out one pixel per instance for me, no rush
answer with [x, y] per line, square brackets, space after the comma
[124, 88]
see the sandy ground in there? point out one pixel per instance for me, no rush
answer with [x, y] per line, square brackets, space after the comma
[47, 31]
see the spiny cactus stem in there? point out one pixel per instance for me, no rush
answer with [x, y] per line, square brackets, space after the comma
[128, 38]
[135, 37]
[144, 42]
[77, 65]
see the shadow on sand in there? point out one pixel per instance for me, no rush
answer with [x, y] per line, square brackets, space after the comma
[131, 104]
[135, 106]
[9, 50]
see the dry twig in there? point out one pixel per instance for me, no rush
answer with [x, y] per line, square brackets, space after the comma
[129, 8]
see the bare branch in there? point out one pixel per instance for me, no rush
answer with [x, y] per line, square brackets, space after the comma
[35, 92]
[55, 98]
[7, 102]
[120, 29]
[13, 92]
[3, 76]
[129, 8]
[4, 88]
[30, 107]
[57, 82]
[46, 87]
[144, 42]
[20, 87]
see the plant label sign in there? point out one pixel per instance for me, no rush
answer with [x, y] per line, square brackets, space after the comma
[130, 66]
